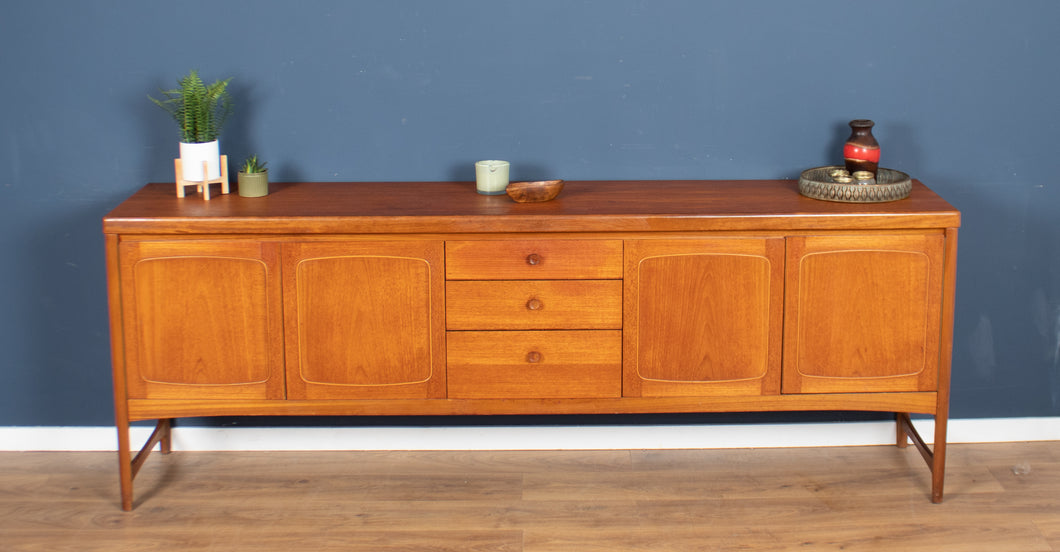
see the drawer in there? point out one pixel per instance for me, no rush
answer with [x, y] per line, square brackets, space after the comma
[537, 364]
[533, 260]
[534, 305]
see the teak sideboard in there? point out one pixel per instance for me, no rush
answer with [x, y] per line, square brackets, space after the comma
[425, 298]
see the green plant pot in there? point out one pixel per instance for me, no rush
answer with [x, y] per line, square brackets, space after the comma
[253, 184]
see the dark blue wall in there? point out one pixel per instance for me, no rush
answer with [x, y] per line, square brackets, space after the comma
[963, 92]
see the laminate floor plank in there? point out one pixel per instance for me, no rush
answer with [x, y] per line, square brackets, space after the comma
[1005, 453]
[742, 482]
[481, 461]
[658, 485]
[998, 497]
[1028, 476]
[1050, 528]
[338, 539]
[290, 486]
[920, 537]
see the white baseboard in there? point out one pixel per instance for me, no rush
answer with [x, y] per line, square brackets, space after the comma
[564, 437]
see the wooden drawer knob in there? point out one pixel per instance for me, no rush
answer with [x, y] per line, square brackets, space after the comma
[534, 304]
[533, 259]
[533, 357]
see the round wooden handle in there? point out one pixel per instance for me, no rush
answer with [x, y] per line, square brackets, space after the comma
[533, 357]
[533, 259]
[534, 304]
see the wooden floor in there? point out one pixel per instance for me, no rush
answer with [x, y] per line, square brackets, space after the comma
[999, 497]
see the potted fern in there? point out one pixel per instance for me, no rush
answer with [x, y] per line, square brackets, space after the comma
[253, 178]
[200, 111]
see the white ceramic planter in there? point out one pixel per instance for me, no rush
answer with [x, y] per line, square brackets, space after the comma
[192, 156]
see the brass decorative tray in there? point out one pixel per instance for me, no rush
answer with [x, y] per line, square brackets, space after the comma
[890, 185]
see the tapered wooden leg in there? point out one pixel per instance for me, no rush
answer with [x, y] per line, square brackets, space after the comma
[942, 409]
[165, 444]
[125, 472]
[938, 464]
[901, 434]
[121, 406]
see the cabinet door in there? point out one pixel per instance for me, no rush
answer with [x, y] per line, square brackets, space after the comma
[364, 319]
[202, 320]
[863, 313]
[703, 317]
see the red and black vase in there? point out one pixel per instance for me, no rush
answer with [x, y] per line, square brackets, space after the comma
[861, 152]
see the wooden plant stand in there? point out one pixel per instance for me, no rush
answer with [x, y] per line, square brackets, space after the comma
[204, 185]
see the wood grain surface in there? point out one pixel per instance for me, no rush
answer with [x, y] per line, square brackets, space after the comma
[584, 206]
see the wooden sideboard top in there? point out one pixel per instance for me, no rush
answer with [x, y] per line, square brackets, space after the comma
[583, 206]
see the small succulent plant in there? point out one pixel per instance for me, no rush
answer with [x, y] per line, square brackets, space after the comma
[251, 165]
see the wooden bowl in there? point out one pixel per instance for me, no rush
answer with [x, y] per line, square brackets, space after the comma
[533, 192]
